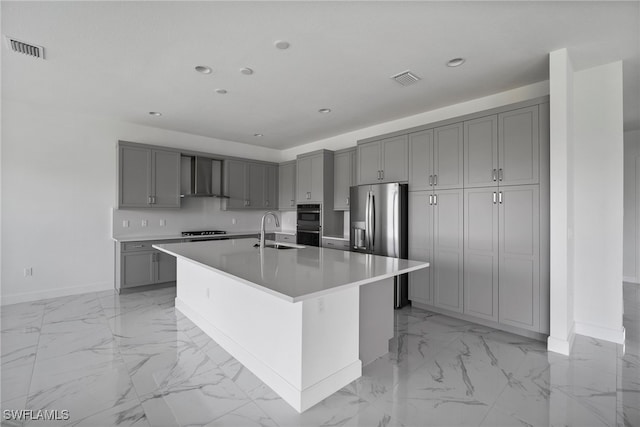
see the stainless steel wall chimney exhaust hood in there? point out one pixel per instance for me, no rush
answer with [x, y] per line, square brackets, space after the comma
[201, 177]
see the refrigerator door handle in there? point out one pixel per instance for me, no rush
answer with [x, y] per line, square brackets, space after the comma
[372, 221]
[396, 229]
[367, 227]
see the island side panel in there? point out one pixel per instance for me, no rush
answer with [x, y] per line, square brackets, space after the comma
[254, 323]
[376, 319]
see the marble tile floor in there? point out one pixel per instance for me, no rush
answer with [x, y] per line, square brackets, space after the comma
[132, 360]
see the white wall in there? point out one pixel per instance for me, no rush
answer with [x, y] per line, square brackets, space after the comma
[561, 202]
[598, 176]
[58, 190]
[631, 241]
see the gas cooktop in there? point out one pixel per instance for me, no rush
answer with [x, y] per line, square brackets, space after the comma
[203, 233]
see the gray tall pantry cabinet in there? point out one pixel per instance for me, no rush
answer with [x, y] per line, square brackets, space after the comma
[478, 211]
[287, 186]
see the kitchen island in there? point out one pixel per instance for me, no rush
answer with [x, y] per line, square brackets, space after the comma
[304, 320]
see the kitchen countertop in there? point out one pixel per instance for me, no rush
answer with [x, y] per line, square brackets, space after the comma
[235, 234]
[291, 274]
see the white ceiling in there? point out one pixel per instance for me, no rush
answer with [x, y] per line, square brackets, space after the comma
[124, 59]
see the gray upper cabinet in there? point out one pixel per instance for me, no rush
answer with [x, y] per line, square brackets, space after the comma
[386, 160]
[421, 160]
[519, 261]
[448, 157]
[481, 253]
[314, 176]
[448, 249]
[421, 245]
[481, 152]
[287, 187]
[344, 164]
[250, 185]
[148, 178]
[519, 147]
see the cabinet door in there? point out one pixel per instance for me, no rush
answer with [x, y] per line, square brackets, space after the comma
[165, 267]
[137, 269]
[519, 147]
[287, 186]
[255, 185]
[481, 253]
[235, 184]
[166, 179]
[303, 179]
[448, 249]
[420, 160]
[270, 187]
[395, 159]
[519, 287]
[481, 152]
[369, 163]
[343, 172]
[421, 245]
[135, 177]
[448, 148]
[317, 178]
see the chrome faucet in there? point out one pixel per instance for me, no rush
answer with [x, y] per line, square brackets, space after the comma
[262, 226]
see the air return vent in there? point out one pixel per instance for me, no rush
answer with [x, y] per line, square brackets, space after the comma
[25, 48]
[406, 78]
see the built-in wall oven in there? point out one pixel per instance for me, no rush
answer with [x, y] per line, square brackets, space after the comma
[309, 225]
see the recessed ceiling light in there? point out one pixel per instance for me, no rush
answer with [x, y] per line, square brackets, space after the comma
[259, 135]
[203, 69]
[281, 44]
[155, 113]
[247, 71]
[455, 62]
[324, 110]
[221, 91]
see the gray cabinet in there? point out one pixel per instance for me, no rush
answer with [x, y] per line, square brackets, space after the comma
[448, 249]
[436, 158]
[335, 243]
[502, 149]
[421, 245]
[314, 177]
[250, 185]
[148, 178]
[344, 163]
[141, 265]
[519, 257]
[386, 160]
[481, 253]
[287, 186]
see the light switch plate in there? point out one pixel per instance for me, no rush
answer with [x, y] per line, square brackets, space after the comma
[163, 222]
[144, 223]
[125, 223]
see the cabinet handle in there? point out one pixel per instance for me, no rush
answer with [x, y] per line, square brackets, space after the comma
[382, 174]
[435, 199]
[149, 200]
[435, 180]
[494, 175]
[494, 198]
[137, 246]
[430, 199]
[430, 179]
[500, 197]
[347, 201]
[500, 174]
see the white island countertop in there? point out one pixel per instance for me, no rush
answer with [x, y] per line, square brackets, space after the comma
[291, 274]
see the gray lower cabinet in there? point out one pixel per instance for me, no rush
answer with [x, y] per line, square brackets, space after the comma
[519, 256]
[385, 160]
[344, 164]
[335, 243]
[141, 265]
[289, 238]
[287, 186]
[421, 245]
[250, 185]
[148, 178]
[448, 216]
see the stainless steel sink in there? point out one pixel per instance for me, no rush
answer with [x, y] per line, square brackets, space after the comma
[275, 246]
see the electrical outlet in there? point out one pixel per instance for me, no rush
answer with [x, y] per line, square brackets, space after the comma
[163, 222]
[144, 223]
[233, 221]
[125, 223]
[28, 272]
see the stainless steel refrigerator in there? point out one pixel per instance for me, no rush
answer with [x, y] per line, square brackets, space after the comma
[378, 218]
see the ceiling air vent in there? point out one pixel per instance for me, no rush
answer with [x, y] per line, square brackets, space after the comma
[25, 48]
[406, 78]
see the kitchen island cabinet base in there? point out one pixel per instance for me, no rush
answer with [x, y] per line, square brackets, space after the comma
[305, 351]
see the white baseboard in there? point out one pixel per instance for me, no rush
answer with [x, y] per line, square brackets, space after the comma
[54, 293]
[607, 334]
[560, 345]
